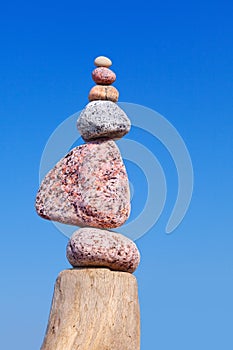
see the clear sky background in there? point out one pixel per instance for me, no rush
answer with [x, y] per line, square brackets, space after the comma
[174, 57]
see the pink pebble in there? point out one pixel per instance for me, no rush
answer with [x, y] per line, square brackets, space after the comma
[90, 246]
[103, 76]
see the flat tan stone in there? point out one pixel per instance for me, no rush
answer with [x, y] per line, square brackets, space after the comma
[102, 61]
[94, 309]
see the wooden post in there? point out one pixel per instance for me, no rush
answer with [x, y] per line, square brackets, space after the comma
[94, 309]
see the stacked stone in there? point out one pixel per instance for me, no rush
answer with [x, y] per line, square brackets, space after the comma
[104, 77]
[89, 187]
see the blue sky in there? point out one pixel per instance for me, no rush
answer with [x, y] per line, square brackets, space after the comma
[173, 57]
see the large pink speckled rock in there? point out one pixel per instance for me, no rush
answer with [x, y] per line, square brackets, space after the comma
[94, 247]
[88, 187]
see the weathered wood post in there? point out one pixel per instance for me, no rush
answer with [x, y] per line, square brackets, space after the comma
[94, 309]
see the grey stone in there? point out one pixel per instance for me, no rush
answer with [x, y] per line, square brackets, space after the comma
[94, 247]
[103, 119]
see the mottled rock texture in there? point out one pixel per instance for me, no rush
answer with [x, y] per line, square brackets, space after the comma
[94, 309]
[103, 76]
[94, 247]
[103, 119]
[88, 187]
[103, 92]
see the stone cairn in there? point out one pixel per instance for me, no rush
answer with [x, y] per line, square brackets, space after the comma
[95, 304]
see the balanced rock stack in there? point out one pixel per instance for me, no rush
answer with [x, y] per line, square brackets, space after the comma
[89, 188]
[104, 77]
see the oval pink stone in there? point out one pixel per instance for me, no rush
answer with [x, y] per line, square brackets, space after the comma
[90, 246]
[103, 76]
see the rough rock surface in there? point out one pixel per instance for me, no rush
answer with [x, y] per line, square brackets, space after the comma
[94, 309]
[103, 119]
[103, 75]
[88, 187]
[94, 247]
[103, 92]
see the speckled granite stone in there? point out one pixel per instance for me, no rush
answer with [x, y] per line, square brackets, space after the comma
[94, 247]
[103, 92]
[103, 119]
[88, 187]
[103, 76]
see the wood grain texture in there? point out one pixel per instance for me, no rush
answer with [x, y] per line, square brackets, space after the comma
[94, 309]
